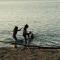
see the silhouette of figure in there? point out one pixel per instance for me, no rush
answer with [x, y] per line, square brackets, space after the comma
[15, 32]
[25, 33]
[14, 35]
[31, 35]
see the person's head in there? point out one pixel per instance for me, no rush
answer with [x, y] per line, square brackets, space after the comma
[30, 32]
[16, 27]
[26, 26]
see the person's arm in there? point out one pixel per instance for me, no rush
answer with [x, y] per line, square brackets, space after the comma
[20, 29]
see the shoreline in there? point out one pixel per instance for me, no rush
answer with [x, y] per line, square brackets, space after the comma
[9, 53]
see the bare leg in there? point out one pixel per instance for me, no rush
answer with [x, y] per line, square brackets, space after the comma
[25, 40]
[15, 41]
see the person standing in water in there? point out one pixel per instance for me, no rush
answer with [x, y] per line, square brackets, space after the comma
[25, 33]
[14, 35]
[15, 32]
[31, 35]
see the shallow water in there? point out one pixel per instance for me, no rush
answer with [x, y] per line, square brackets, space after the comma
[43, 18]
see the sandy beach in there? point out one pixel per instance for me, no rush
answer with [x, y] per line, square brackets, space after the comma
[29, 54]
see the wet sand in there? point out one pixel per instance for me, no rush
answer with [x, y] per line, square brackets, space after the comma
[29, 54]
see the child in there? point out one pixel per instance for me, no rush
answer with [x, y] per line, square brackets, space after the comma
[25, 33]
[31, 35]
[15, 32]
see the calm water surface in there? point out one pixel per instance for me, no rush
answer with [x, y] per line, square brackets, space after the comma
[43, 18]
